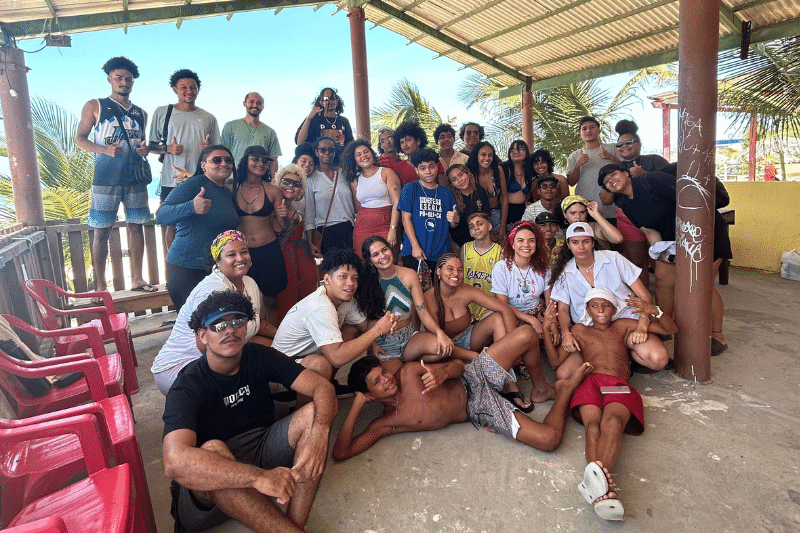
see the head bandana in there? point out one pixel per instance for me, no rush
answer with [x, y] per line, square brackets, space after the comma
[525, 224]
[222, 239]
[571, 199]
[598, 292]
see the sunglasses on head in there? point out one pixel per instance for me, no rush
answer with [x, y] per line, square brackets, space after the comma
[217, 159]
[626, 143]
[324, 150]
[237, 322]
[293, 183]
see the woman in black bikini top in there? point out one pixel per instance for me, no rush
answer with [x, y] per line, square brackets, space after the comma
[259, 203]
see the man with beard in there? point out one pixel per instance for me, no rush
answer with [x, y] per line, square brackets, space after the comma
[250, 131]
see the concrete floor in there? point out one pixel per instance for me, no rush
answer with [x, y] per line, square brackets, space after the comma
[718, 457]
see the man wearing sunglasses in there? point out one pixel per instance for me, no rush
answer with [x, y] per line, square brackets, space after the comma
[325, 120]
[250, 131]
[548, 198]
[222, 447]
[583, 165]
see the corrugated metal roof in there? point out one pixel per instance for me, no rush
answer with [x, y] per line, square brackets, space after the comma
[551, 41]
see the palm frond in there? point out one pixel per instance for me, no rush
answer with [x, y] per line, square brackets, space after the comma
[407, 103]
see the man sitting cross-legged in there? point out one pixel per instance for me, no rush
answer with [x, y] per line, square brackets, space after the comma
[222, 447]
[420, 397]
[605, 403]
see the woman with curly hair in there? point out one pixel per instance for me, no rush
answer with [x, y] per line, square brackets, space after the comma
[384, 286]
[485, 166]
[470, 198]
[375, 192]
[543, 164]
[449, 303]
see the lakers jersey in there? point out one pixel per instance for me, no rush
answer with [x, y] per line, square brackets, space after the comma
[478, 272]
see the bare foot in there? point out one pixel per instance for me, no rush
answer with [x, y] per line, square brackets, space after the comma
[542, 391]
[569, 385]
[611, 494]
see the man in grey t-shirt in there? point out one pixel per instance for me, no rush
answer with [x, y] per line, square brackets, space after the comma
[583, 166]
[190, 129]
[250, 131]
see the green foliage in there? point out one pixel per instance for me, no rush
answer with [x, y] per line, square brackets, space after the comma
[406, 103]
[767, 83]
[556, 112]
[65, 171]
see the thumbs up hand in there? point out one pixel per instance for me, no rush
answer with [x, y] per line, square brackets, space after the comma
[582, 159]
[282, 210]
[114, 150]
[452, 217]
[174, 148]
[202, 205]
[142, 149]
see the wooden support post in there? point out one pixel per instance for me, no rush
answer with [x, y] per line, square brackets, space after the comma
[358, 49]
[18, 124]
[697, 105]
[527, 114]
[751, 156]
[666, 128]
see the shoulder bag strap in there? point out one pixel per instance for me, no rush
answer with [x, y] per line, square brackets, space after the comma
[330, 205]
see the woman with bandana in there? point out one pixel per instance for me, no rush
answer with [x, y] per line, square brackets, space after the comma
[231, 260]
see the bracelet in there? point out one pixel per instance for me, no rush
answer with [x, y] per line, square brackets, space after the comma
[392, 227]
[567, 333]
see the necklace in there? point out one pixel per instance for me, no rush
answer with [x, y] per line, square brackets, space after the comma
[256, 197]
[524, 286]
[252, 131]
[331, 124]
[587, 269]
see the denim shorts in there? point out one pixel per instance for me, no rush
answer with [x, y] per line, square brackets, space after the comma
[463, 340]
[395, 343]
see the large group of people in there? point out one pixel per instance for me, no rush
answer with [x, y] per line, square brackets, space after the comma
[454, 270]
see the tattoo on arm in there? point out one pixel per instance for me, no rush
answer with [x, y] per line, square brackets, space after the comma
[420, 307]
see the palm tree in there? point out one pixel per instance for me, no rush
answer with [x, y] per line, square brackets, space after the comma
[65, 171]
[406, 103]
[767, 83]
[556, 111]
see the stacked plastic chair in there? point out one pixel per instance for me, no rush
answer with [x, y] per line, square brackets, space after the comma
[110, 325]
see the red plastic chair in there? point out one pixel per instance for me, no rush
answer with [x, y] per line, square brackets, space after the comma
[101, 502]
[36, 468]
[109, 375]
[93, 342]
[111, 325]
[46, 525]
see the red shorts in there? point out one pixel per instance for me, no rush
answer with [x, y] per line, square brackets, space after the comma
[628, 230]
[588, 393]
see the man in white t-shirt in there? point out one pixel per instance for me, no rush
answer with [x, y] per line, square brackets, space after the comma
[311, 331]
[583, 166]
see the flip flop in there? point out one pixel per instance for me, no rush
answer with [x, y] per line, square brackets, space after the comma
[145, 288]
[717, 347]
[594, 483]
[610, 509]
[516, 395]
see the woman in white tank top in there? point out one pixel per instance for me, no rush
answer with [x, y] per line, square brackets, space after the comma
[376, 191]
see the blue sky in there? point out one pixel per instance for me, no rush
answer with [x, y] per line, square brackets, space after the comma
[286, 57]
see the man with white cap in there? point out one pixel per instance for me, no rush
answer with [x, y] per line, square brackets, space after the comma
[605, 403]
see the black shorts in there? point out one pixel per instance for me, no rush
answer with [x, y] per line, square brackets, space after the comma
[265, 448]
[165, 192]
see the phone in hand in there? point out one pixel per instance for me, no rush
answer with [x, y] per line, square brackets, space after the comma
[615, 389]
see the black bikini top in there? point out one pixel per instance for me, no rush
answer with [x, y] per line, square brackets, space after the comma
[265, 211]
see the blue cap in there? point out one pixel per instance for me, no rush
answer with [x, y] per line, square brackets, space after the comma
[213, 316]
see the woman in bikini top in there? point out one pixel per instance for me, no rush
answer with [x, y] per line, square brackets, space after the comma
[519, 172]
[485, 166]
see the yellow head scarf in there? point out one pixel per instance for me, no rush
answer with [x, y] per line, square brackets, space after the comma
[222, 239]
[572, 199]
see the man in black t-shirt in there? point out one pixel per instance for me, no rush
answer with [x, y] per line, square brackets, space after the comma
[222, 447]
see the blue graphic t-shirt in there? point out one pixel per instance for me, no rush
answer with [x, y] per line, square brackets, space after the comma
[428, 208]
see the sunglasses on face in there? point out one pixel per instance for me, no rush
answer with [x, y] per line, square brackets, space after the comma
[626, 143]
[237, 322]
[324, 150]
[293, 183]
[518, 149]
[548, 186]
[328, 98]
[217, 159]
[262, 158]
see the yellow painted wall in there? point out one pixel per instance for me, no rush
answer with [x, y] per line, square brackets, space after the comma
[767, 222]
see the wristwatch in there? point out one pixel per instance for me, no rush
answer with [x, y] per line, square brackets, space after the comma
[660, 312]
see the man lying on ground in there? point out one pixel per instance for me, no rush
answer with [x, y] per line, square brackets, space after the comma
[605, 403]
[420, 397]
